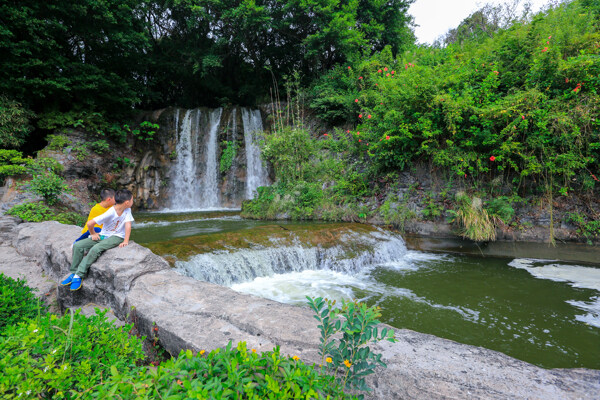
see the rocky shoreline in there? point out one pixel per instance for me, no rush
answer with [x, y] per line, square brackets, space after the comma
[137, 284]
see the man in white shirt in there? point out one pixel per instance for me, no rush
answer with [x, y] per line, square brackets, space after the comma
[116, 228]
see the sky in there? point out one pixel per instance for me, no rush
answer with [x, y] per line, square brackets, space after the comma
[436, 17]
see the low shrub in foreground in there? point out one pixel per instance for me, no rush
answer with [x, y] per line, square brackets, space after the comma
[17, 302]
[229, 373]
[59, 357]
[39, 212]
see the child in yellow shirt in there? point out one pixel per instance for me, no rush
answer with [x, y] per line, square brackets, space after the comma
[107, 197]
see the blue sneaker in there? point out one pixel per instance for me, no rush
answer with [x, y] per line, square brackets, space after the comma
[76, 284]
[68, 280]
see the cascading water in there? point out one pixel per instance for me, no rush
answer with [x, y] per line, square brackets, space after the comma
[209, 190]
[256, 174]
[242, 265]
[184, 180]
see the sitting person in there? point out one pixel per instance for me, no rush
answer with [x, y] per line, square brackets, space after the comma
[107, 200]
[116, 229]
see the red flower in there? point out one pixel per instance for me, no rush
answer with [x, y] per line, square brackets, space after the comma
[492, 158]
[393, 72]
[496, 72]
[369, 116]
[547, 42]
[381, 103]
[385, 69]
[359, 140]
[360, 77]
[349, 67]
[348, 131]
[325, 134]
[545, 49]
[387, 138]
[388, 74]
[359, 115]
[566, 80]
[594, 176]
[357, 133]
[356, 100]
[379, 70]
[376, 84]
[522, 116]
[549, 37]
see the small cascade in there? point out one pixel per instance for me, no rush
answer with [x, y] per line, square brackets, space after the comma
[230, 267]
[184, 179]
[209, 188]
[256, 173]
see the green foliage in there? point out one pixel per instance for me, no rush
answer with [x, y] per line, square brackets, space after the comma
[290, 150]
[15, 123]
[432, 210]
[145, 131]
[122, 162]
[472, 219]
[17, 302]
[501, 207]
[40, 165]
[519, 105]
[224, 373]
[12, 163]
[346, 333]
[589, 230]
[227, 156]
[99, 146]
[32, 212]
[57, 142]
[49, 186]
[59, 357]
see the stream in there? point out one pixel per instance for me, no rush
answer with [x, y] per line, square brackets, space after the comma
[546, 312]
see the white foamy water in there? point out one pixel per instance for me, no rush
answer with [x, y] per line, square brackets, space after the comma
[576, 275]
[592, 309]
[243, 265]
[167, 223]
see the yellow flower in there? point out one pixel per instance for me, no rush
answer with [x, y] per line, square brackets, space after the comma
[347, 363]
[296, 358]
[202, 352]
[254, 350]
[328, 359]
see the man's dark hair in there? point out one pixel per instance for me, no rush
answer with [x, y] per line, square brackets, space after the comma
[122, 196]
[106, 194]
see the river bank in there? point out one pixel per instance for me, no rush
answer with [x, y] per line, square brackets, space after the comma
[199, 315]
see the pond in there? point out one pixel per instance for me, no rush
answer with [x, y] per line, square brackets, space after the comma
[546, 312]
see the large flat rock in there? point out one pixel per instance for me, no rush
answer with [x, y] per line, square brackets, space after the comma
[189, 314]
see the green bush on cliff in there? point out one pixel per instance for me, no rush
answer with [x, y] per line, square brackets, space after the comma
[39, 212]
[17, 302]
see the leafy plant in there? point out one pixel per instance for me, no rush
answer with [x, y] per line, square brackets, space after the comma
[41, 165]
[346, 333]
[227, 156]
[49, 186]
[60, 357]
[57, 142]
[224, 373]
[17, 302]
[15, 123]
[501, 207]
[432, 210]
[32, 212]
[472, 219]
[587, 229]
[145, 131]
[12, 163]
[99, 146]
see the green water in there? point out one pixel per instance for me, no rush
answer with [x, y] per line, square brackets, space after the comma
[471, 299]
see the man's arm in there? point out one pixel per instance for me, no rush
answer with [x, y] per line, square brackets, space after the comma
[93, 234]
[127, 233]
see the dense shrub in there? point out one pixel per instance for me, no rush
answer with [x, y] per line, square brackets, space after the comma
[39, 212]
[15, 123]
[17, 302]
[12, 163]
[59, 357]
[224, 373]
[48, 185]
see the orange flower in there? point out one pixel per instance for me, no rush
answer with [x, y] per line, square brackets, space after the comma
[296, 358]
[347, 363]
[254, 350]
[329, 360]
[202, 352]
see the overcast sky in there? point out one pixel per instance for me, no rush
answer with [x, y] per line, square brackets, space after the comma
[436, 17]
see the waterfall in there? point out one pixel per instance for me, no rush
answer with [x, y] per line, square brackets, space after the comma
[256, 174]
[185, 185]
[209, 189]
[230, 267]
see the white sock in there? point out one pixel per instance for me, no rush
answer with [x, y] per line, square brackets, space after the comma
[75, 276]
